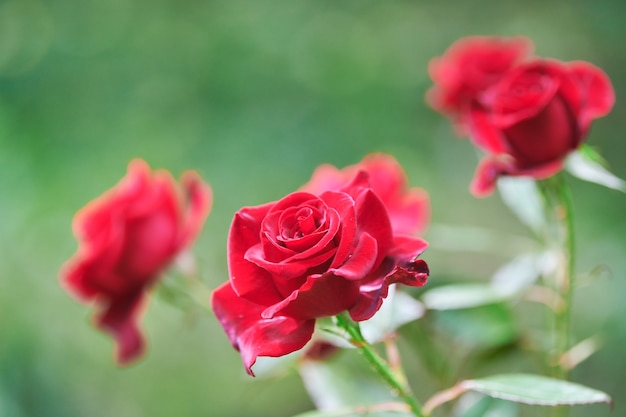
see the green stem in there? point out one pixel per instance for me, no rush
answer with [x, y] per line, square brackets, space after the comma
[395, 380]
[559, 201]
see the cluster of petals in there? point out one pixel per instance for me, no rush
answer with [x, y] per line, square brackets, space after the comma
[127, 237]
[318, 252]
[526, 113]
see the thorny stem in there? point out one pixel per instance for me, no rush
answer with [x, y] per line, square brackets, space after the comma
[396, 380]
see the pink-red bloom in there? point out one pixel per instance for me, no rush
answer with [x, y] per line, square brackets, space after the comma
[408, 208]
[467, 68]
[127, 237]
[308, 256]
[527, 115]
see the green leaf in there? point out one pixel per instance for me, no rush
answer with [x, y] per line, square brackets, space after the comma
[459, 296]
[535, 390]
[476, 405]
[523, 198]
[522, 272]
[351, 412]
[588, 165]
[483, 327]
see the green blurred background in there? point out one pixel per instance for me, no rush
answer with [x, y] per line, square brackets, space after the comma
[254, 95]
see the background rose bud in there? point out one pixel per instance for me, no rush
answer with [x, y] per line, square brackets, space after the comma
[126, 238]
[468, 67]
[309, 256]
[408, 208]
[534, 117]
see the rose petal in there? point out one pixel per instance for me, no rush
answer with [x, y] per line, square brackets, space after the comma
[343, 205]
[598, 96]
[119, 319]
[200, 199]
[486, 175]
[413, 273]
[320, 296]
[361, 261]
[247, 279]
[484, 134]
[290, 268]
[253, 335]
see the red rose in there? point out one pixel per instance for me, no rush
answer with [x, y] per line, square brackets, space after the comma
[408, 208]
[528, 115]
[309, 256]
[534, 117]
[467, 68]
[126, 238]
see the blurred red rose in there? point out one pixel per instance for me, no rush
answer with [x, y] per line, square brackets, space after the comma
[467, 68]
[309, 256]
[127, 237]
[408, 208]
[534, 117]
[526, 113]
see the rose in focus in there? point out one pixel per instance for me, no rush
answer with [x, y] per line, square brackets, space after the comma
[529, 117]
[308, 256]
[127, 237]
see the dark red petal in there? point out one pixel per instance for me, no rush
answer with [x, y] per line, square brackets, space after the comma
[119, 319]
[372, 218]
[253, 335]
[247, 279]
[400, 266]
[413, 274]
[406, 248]
[361, 261]
[344, 206]
[291, 267]
[320, 296]
[522, 94]
[547, 137]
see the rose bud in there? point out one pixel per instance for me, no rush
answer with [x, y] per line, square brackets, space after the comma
[127, 237]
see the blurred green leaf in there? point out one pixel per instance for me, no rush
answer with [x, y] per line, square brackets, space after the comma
[352, 412]
[460, 296]
[476, 405]
[483, 327]
[340, 382]
[522, 272]
[588, 165]
[535, 390]
[523, 198]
